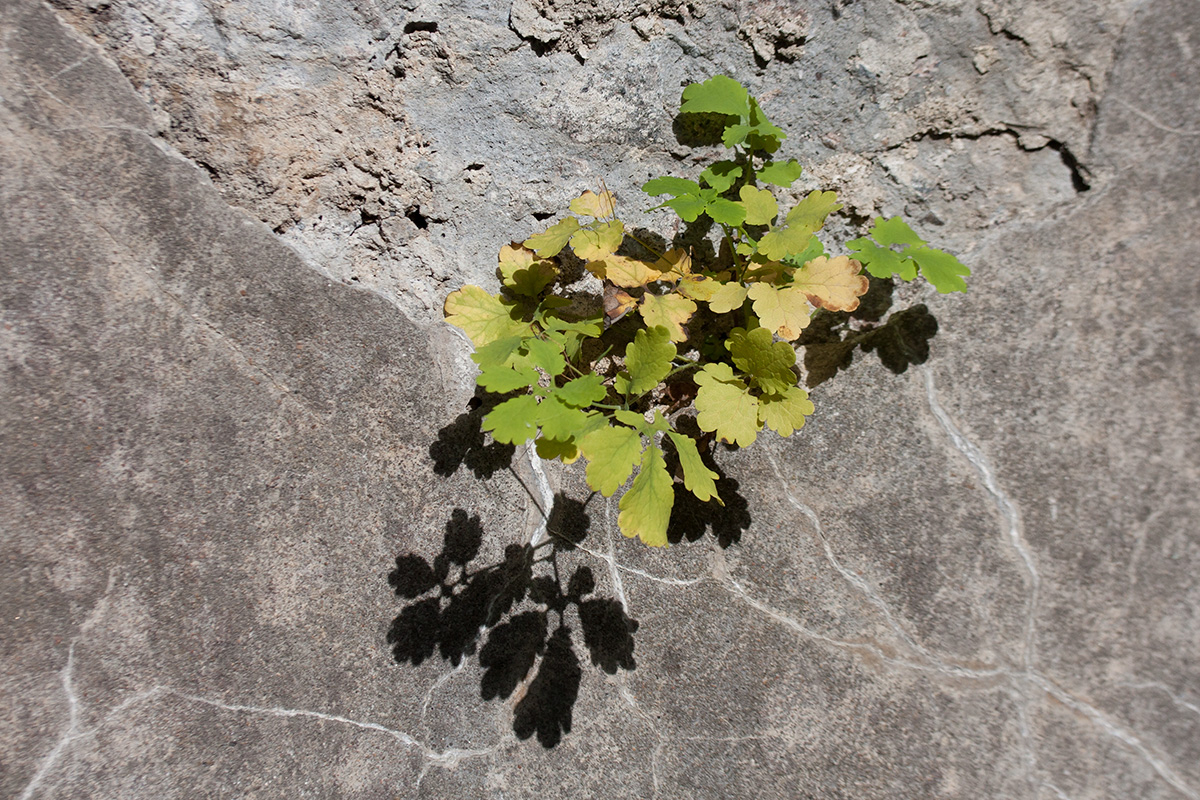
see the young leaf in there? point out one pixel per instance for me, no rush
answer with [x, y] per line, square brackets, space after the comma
[697, 478]
[785, 413]
[941, 269]
[485, 318]
[648, 358]
[717, 95]
[814, 249]
[769, 363]
[582, 391]
[611, 452]
[560, 421]
[760, 205]
[764, 136]
[894, 231]
[520, 271]
[726, 406]
[551, 241]
[832, 283]
[727, 298]
[590, 204]
[882, 262]
[784, 312]
[780, 173]
[689, 207]
[646, 507]
[496, 354]
[671, 311]
[598, 240]
[513, 421]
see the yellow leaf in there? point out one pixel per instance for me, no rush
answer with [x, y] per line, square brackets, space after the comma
[698, 287]
[599, 240]
[521, 270]
[483, 317]
[670, 311]
[834, 284]
[623, 271]
[760, 205]
[784, 312]
[770, 272]
[727, 297]
[590, 204]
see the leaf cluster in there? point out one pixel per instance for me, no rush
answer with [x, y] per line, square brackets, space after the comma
[609, 383]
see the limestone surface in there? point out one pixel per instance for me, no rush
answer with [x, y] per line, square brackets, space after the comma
[255, 544]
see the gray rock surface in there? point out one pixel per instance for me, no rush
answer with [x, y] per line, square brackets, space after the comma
[229, 405]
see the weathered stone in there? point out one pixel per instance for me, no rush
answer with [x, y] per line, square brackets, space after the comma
[252, 531]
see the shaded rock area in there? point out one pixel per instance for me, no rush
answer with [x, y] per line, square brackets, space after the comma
[255, 545]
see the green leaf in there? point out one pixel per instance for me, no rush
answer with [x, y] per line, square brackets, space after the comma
[780, 173]
[785, 413]
[764, 136]
[506, 379]
[721, 176]
[760, 205]
[631, 418]
[551, 241]
[648, 358]
[549, 449]
[611, 452]
[882, 262]
[717, 95]
[582, 391]
[726, 212]
[669, 185]
[725, 405]
[560, 421]
[735, 135]
[546, 356]
[513, 421]
[485, 318]
[894, 231]
[697, 478]
[496, 354]
[769, 363]
[814, 250]
[646, 507]
[688, 207]
[941, 269]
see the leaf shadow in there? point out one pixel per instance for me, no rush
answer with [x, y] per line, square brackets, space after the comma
[463, 443]
[515, 616]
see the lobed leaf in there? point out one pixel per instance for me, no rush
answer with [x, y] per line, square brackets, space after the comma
[551, 241]
[548, 449]
[941, 269]
[497, 353]
[728, 297]
[833, 284]
[894, 231]
[546, 356]
[485, 318]
[760, 205]
[669, 185]
[521, 271]
[784, 312]
[726, 212]
[688, 207]
[780, 173]
[513, 421]
[624, 271]
[721, 176]
[786, 412]
[611, 452]
[725, 405]
[882, 262]
[560, 421]
[648, 358]
[717, 95]
[506, 379]
[697, 478]
[598, 240]
[590, 204]
[768, 362]
[646, 507]
[670, 311]
[582, 391]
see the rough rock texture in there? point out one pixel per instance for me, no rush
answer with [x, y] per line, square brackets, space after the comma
[228, 406]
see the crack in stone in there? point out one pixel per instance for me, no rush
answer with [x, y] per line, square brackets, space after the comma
[1154, 120]
[663, 739]
[1176, 699]
[72, 732]
[614, 569]
[543, 485]
[611, 561]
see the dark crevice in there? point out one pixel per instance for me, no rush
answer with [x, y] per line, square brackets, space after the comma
[416, 217]
[1080, 175]
[427, 27]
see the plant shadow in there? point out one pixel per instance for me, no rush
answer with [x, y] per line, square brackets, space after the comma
[515, 616]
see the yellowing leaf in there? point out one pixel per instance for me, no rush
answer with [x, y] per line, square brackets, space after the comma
[553, 239]
[611, 452]
[760, 205]
[698, 287]
[697, 478]
[674, 264]
[485, 318]
[567, 452]
[617, 302]
[803, 221]
[590, 204]
[728, 297]
[599, 240]
[785, 413]
[623, 271]
[833, 284]
[646, 507]
[769, 363]
[520, 270]
[648, 358]
[784, 312]
[725, 406]
[670, 311]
